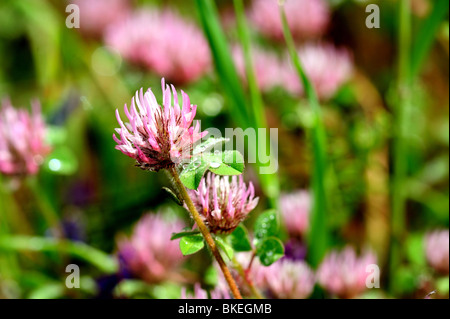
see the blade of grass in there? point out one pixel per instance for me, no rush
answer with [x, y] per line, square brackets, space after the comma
[79, 250]
[8, 261]
[400, 147]
[255, 94]
[43, 28]
[318, 235]
[258, 114]
[232, 86]
[42, 201]
[426, 34]
[223, 61]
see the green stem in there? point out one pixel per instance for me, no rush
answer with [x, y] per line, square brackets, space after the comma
[400, 146]
[318, 237]
[47, 211]
[205, 232]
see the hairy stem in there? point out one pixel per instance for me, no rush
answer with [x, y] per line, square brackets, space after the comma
[206, 234]
[243, 273]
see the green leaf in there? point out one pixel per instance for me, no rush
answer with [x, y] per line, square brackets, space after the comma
[48, 291]
[225, 247]
[56, 135]
[191, 244]
[240, 240]
[267, 224]
[173, 196]
[78, 250]
[226, 163]
[211, 277]
[442, 286]
[184, 234]
[220, 163]
[415, 250]
[207, 145]
[270, 250]
[192, 174]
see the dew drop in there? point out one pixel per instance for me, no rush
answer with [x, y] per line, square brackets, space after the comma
[215, 165]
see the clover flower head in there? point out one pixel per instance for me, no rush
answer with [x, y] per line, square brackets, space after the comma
[150, 254]
[327, 67]
[224, 202]
[306, 18]
[254, 274]
[97, 15]
[22, 140]
[158, 137]
[266, 65]
[288, 279]
[437, 248]
[162, 42]
[344, 274]
[295, 209]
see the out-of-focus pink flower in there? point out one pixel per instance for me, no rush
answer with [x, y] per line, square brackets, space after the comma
[254, 274]
[163, 42]
[295, 208]
[436, 248]
[158, 137]
[200, 293]
[267, 67]
[344, 274]
[288, 279]
[97, 15]
[150, 254]
[306, 18]
[327, 67]
[22, 140]
[224, 204]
